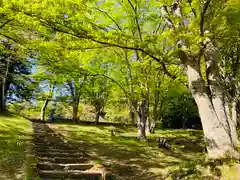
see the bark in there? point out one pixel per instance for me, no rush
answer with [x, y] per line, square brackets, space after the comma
[97, 117]
[232, 117]
[44, 106]
[153, 126]
[218, 141]
[130, 101]
[75, 110]
[147, 127]
[99, 113]
[155, 112]
[238, 111]
[132, 115]
[3, 88]
[222, 105]
[142, 120]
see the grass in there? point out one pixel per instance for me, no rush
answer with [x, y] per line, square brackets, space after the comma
[122, 154]
[15, 142]
[127, 158]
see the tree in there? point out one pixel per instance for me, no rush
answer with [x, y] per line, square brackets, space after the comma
[97, 92]
[75, 88]
[186, 34]
[46, 101]
[14, 80]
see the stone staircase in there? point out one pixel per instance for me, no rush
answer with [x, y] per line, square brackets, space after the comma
[57, 159]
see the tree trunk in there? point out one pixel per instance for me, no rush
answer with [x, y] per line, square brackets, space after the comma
[238, 111]
[131, 113]
[97, 117]
[99, 113]
[155, 112]
[147, 125]
[153, 126]
[3, 88]
[216, 130]
[43, 109]
[233, 124]
[44, 106]
[75, 113]
[218, 95]
[130, 82]
[75, 109]
[142, 120]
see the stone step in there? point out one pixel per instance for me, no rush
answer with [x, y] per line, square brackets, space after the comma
[54, 166]
[53, 146]
[57, 144]
[63, 160]
[60, 154]
[70, 174]
[48, 150]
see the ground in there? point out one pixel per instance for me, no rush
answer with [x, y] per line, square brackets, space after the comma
[122, 154]
[15, 145]
[127, 158]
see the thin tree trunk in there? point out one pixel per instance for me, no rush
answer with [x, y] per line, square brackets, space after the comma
[97, 117]
[238, 111]
[142, 121]
[155, 112]
[3, 88]
[130, 101]
[75, 109]
[233, 123]
[44, 106]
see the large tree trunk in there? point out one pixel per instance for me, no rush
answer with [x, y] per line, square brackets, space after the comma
[44, 106]
[222, 105]
[216, 130]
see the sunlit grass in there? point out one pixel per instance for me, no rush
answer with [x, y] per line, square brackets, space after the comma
[15, 140]
[128, 158]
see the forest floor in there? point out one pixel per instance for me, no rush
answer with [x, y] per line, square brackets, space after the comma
[127, 158]
[15, 142]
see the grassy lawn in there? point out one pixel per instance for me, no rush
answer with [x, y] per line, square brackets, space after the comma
[127, 158]
[15, 140]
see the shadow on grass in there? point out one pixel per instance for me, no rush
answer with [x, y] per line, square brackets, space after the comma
[15, 139]
[127, 158]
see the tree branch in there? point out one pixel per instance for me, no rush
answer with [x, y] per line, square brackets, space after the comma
[193, 10]
[109, 18]
[202, 16]
[5, 23]
[136, 19]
